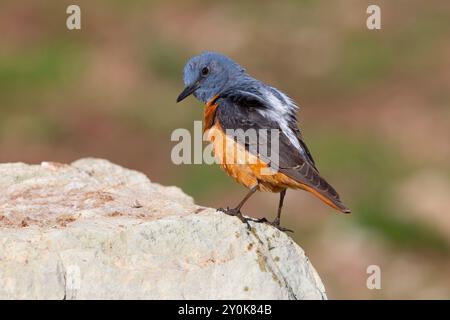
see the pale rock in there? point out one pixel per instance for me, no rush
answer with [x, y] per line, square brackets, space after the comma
[94, 230]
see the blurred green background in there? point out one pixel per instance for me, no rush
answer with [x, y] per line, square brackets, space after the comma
[375, 110]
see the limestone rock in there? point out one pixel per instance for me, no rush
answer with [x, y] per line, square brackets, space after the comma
[94, 230]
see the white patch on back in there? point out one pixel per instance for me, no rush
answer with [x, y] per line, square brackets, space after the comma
[281, 111]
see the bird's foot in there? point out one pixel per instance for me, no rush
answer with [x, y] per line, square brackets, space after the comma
[275, 223]
[236, 213]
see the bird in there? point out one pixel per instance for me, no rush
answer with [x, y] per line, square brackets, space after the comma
[234, 101]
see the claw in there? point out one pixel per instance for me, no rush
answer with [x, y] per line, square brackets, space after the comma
[275, 223]
[236, 213]
[281, 228]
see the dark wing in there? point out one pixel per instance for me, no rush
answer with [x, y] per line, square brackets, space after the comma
[293, 126]
[246, 99]
[239, 112]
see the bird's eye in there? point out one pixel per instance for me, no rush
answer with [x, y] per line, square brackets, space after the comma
[205, 71]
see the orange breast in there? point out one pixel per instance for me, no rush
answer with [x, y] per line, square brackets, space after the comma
[240, 164]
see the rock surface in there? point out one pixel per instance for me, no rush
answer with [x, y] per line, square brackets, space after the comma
[94, 230]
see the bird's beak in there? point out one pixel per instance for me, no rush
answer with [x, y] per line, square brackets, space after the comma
[190, 89]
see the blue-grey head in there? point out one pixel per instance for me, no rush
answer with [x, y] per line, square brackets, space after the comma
[208, 74]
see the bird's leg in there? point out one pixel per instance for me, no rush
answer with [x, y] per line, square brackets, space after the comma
[276, 222]
[280, 205]
[237, 211]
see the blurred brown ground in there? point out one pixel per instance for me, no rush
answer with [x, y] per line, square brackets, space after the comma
[375, 110]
